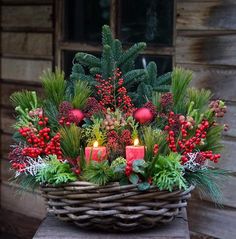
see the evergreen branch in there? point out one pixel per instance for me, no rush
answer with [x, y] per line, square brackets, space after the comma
[54, 86]
[55, 172]
[51, 111]
[180, 81]
[98, 173]
[24, 99]
[162, 88]
[87, 59]
[117, 49]
[134, 76]
[70, 141]
[81, 94]
[152, 72]
[108, 64]
[163, 79]
[200, 98]
[131, 53]
[208, 182]
[107, 36]
[169, 173]
[213, 139]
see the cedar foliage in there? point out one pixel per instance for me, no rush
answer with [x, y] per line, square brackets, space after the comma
[169, 173]
[55, 172]
[114, 56]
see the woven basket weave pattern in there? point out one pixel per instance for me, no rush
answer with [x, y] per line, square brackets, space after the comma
[114, 207]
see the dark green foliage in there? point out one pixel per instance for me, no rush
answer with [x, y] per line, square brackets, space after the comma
[113, 56]
[54, 86]
[51, 111]
[208, 181]
[98, 172]
[108, 63]
[131, 54]
[55, 172]
[24, 99]
[26, 183]
[70, 141]
[169, 173]
[86, 59]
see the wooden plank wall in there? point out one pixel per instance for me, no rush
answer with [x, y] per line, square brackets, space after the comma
[26, 50]
[206, 43]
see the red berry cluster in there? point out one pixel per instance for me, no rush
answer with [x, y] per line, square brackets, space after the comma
[171, 133]
[40, 142]
[17, 159]
[116, 142]
[20, 167]
[113, 94]
[53, 147]
[166, 100]
[209, 155]
[155, 149]
[92, 107]
[149, 105]
[184, 144]
[128, 168]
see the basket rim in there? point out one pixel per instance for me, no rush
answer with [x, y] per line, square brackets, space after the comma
[88, 185]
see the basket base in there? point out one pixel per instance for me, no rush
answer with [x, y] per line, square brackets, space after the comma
[53, 228]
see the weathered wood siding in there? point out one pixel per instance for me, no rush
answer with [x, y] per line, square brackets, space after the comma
[26, 50]
[206, 44]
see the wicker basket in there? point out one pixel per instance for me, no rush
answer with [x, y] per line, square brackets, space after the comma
[114, 207]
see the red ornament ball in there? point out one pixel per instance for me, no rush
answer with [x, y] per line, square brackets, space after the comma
[76, 116]
[143, 115]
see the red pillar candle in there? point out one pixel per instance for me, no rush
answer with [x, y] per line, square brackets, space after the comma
[135, 152]
[97, 153]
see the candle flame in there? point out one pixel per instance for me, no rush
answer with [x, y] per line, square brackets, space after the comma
[95, 144]
[136, 142]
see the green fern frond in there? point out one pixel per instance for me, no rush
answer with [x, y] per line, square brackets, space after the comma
[70, 141]
[54, 86]
[82, 92]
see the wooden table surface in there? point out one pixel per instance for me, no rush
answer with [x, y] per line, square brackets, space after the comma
[52, 228]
